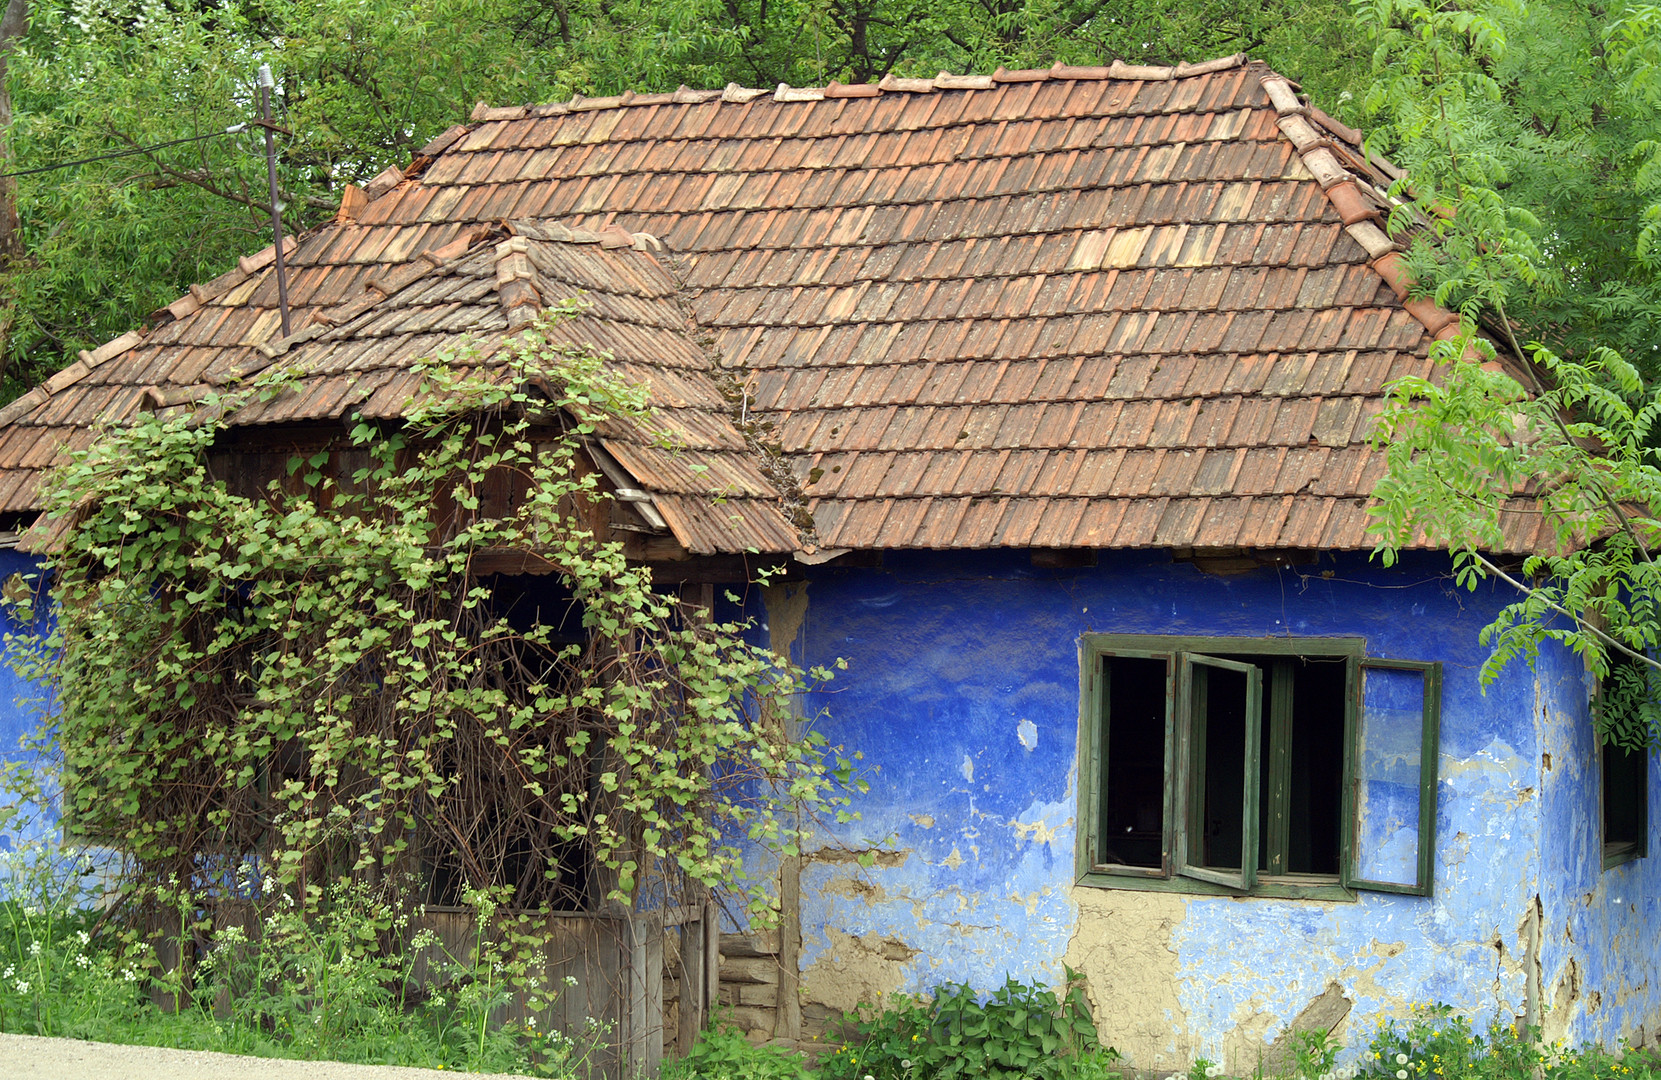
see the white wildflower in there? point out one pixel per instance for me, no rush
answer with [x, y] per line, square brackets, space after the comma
[1213, 1071]
[1401, 1074]
[83, 937]
[1401, 1059]
[23, 986]
[34, 948]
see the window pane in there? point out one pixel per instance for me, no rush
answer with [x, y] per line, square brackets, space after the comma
[1388, 763]
[1133, 804]
[1218, 835]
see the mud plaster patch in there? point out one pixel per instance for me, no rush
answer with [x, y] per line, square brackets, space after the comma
[857, 969]
[1122, 945]
[1035, 832]
[786, 612]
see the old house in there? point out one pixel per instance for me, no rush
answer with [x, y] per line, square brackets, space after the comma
[1072, 372]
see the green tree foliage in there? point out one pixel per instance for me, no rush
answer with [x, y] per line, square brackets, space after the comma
[316, 679]
[362, 84]
[1533, 205]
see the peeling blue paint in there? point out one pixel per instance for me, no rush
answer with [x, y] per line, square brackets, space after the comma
[962, 692]
[20, 700]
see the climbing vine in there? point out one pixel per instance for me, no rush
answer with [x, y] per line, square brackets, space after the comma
[314, 679]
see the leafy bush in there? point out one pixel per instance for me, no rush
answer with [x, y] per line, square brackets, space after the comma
[723, 1054]
[1435, 1043]
[1020, 1032]
[315, 677]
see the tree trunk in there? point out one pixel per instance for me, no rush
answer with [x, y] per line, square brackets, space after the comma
[13, 25]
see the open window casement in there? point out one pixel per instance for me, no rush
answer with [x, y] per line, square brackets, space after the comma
[1272, 767]
[1220, 701]
[1390, 790]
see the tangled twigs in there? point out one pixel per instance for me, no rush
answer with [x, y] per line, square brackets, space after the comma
[314, 679]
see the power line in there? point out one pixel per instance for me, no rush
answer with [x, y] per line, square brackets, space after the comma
[234, 129]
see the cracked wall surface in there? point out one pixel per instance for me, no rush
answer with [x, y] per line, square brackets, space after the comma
[1599, 971]
[962, 693]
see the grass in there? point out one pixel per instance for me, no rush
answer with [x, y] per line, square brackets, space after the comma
[316, 984]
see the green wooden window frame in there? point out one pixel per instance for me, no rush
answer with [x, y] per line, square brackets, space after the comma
[1391, 717]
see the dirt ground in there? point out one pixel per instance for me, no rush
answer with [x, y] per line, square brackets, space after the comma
[29, 1057]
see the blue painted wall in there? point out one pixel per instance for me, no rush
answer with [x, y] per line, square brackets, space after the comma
[962, 692]
[1600, 969]
[20, 700]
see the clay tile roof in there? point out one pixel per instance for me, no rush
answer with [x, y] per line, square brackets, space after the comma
[355, 348]
[1070, 307]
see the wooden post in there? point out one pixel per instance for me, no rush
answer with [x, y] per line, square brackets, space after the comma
[693, 991]
[643, 1011]
[788, 1025]
[712, 959]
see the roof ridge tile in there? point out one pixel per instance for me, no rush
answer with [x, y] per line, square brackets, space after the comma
[733, 93]
[739, 95]
[852, 90]
[1342, 188]
[1140, 72]
[384, 181]
[893, 83]
[786, 92]
[1069, 71]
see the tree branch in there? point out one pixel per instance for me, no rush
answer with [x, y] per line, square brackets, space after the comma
[1601, 635]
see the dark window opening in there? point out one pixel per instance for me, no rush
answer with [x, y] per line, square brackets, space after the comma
[1299, 763]
[1315, 789]
[1622, 705]
[1625, 795]
[1133, 811]
[493, 831]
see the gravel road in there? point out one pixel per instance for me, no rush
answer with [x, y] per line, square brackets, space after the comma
[29, 1057]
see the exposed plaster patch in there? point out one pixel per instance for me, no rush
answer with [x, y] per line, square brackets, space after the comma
[1324, 1014]
[855, 970]
[954, 860]
[967, 768]
[1027, 733]
[922, 821]
[1121, 943]
[1554, 1025]
[842, 856]
[1037, 832]
[786, 612]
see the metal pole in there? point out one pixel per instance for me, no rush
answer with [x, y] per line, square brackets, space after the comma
[266, 83]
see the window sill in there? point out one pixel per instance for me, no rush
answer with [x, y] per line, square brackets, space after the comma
[1616, 854]
[1283, 887]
